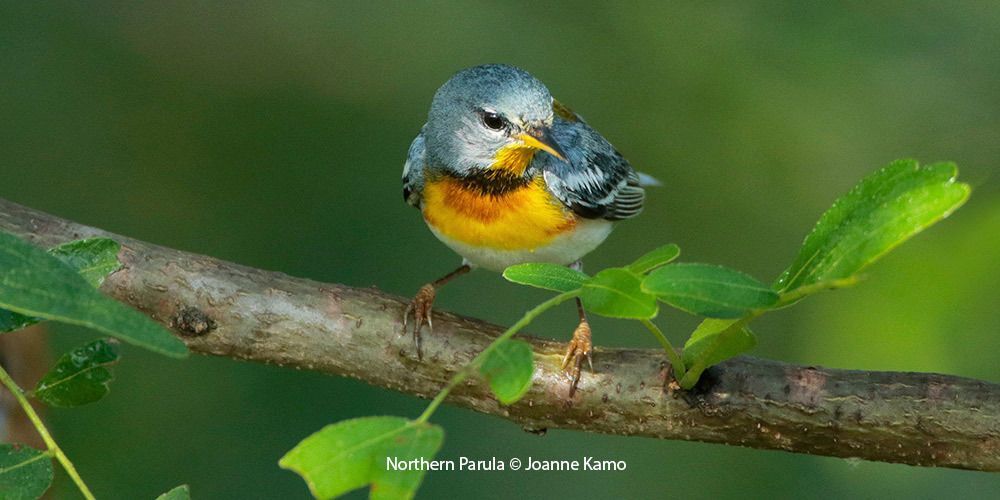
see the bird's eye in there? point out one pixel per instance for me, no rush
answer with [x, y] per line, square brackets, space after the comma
[493, 121]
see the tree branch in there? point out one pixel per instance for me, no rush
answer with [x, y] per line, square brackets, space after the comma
[230, 310]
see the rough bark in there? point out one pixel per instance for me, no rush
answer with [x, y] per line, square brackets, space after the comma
[231, 310]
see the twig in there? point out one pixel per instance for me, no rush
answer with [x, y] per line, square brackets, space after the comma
[54, 448]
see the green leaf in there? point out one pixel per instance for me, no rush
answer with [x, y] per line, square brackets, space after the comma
[24, 472]
[80, 376]
[351, 454]
[657, 258]
[35, 283]
[508, 368]
[701, 347]
[706, 290]
[11, 321]
[882, 211]
[548, 276]
[181, 492]
[615, 292]
[93, 258]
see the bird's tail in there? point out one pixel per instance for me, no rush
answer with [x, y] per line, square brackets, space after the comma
[647, 180]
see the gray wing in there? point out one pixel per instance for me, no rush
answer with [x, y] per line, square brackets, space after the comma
[596, 182]
[413, 171]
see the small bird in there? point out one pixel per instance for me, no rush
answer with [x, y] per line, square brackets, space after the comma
[504, 174]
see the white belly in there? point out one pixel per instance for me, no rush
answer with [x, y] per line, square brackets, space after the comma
[564, 249]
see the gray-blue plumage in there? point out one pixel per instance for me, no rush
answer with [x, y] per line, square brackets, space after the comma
[594, 181]
[413, 170]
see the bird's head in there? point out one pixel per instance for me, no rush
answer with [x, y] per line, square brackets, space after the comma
[488, 118]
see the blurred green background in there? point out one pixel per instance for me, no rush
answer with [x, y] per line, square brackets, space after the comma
[273, 135]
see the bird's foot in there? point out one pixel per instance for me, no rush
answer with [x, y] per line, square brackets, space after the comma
[420, 308]
[578, 349]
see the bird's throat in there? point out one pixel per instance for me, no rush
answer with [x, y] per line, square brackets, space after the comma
[514, 158]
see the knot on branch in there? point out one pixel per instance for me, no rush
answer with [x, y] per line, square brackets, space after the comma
[192, 321]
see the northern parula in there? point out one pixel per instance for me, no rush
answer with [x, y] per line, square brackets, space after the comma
[504, 174]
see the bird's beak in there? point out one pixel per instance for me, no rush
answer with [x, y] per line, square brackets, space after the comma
[541, 138]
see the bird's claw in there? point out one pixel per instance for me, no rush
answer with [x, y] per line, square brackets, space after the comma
[578, 349]
[420, 307]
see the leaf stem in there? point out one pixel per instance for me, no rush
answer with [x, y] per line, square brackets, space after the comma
[44, 432]
[700, 365]
[789, 297]
[785, 299]
[469, 368]
[675, 359]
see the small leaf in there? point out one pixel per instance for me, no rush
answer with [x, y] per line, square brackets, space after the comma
[509, 368]
[881, 212]
[93, 258]
[700, 348]
[181, 492]
[616, 293]
[354, 453]
[35, 283]
[548, 276]
[11, 321]
[24, 472]
[657, 258]
[706, 290]
[80, 376]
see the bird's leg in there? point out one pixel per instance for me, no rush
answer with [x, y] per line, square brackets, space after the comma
[578, 349]
[422, 303]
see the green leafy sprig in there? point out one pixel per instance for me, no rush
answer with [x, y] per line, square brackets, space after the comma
[882, 211]
[61, 284]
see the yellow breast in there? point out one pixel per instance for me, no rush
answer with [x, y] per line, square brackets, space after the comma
[528, 217]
